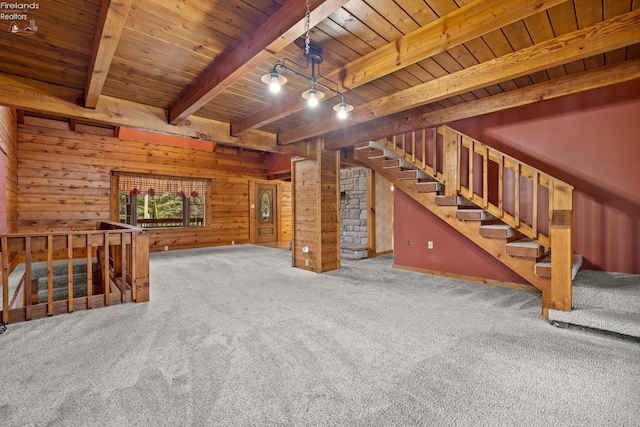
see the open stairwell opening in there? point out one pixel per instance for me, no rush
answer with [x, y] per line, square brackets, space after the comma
[516, 213]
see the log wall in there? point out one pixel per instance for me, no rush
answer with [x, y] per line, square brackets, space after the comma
[65, 181]
[8, 170]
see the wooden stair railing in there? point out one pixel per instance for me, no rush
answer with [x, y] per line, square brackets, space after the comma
[534, 203]
[122, 254]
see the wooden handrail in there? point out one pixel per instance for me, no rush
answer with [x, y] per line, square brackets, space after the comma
[122, 252]
[459, 162]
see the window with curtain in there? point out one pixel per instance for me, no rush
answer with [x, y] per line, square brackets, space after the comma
[153, 201]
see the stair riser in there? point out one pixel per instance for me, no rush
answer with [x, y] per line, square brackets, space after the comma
[625, 324]
[453, 201]
[525, 252]
[427, 187]
[473, 215]
[497, 233]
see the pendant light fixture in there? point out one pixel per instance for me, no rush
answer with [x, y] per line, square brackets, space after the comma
[313, 55]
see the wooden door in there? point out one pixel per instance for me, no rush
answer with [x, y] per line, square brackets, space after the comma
[266, 213]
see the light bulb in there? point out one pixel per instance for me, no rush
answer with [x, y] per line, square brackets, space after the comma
[313, 100]
[342, 113]
[274, 86]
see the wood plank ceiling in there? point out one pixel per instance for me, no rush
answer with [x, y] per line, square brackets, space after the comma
[192, 67]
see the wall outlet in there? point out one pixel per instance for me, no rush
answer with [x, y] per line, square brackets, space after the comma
[430, 244]
[306, 263]
[233, 242]
[166, 248]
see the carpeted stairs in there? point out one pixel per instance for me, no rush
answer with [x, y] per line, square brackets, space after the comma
[60, 279]
[605, 301]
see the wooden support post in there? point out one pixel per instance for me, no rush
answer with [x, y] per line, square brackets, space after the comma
[140, 267]
[123, 266]
[451, 167]
[561, 234]
[316, 210]
[5, 280]
[371, 213]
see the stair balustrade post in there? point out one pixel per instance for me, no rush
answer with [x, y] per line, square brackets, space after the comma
[451, 160]
[561, 236]
[140, 266]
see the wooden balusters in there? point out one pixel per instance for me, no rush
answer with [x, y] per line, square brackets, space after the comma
[89, 272]
[451, 169]
[50, 275]
[28, 286]
[501, 186]
[123, 267]
[5, 280]
[70, 273]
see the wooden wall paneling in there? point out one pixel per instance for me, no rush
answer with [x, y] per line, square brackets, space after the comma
[65, 181]
[9, 147]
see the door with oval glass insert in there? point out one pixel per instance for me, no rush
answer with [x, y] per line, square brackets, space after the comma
[266, 213]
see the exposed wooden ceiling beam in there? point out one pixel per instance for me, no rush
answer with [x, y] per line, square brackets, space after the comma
[280, 30]
[563, 86]
[38, 97]
[608, 35]
[464, 24]
[113, 15]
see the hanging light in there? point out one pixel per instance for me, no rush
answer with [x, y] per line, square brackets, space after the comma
[313, 96]
[274, 80]
[342, 109]
[313, 55]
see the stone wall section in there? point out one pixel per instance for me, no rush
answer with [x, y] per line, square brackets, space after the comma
[353, 212]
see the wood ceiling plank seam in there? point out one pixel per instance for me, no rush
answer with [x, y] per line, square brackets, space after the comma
[209, 46]
[135, 43]
[124, 68]
[419, 10]
[181, 10]
[613, 8]
[373, 20]
[55, 54]
[443, 7]
[395, 15]
[65, 17]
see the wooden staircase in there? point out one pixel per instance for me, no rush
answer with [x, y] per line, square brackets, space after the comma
[516, 213]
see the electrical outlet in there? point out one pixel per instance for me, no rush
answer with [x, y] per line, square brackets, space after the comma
[430, 244]
[306, 263]
[166, 248]
[233, 242]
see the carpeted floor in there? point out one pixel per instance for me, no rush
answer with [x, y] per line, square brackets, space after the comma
[233, 336]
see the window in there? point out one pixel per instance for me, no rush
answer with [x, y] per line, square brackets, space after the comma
[151, 201]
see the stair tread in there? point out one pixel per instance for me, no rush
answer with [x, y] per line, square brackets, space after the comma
[525, 243]
[497, 226]
[599, 318]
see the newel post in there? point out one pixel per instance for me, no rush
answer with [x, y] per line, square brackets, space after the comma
[561, 234]
[140, 265]
[451, 160]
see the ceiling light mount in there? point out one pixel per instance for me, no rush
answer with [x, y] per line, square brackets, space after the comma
[313, 55]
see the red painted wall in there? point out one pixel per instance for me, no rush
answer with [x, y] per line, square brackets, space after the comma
[415, 226]
[590, 140]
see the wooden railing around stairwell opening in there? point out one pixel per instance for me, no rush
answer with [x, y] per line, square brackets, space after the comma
[121, 254]
[534, 203]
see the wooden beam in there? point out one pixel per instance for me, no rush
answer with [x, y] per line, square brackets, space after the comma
[455, 28]
[277, 32]
[44, 98]
[113, 15]
[563, 86]
[605, 36]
